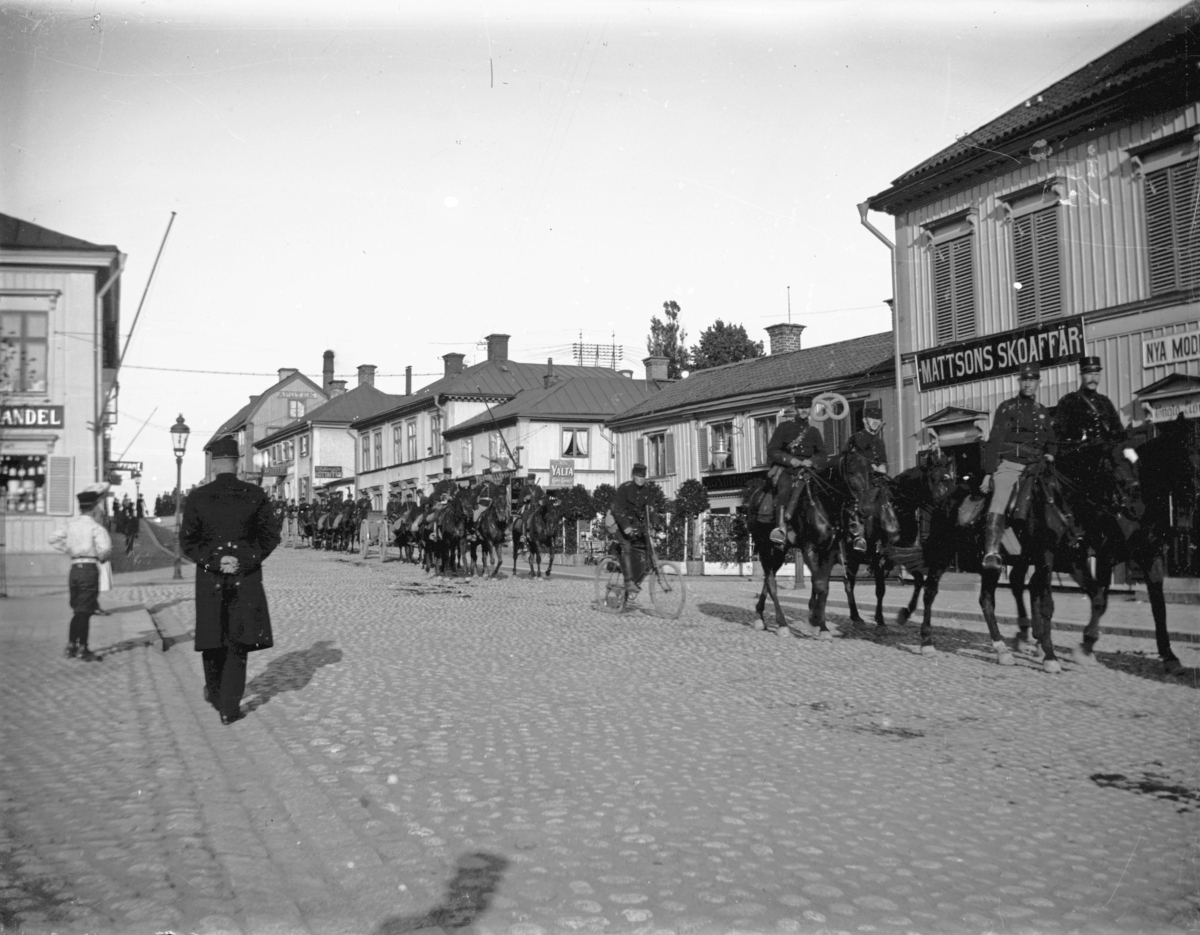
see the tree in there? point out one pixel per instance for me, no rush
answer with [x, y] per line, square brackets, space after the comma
[577, 504]
[668, 339]
[602, 497]
[723, 344]
[690, 501]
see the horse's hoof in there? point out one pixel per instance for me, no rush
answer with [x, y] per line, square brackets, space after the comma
[1083, 658]
[1025, 646]
[1051, 666]
[880, 624]
[759, 624]
[1172, 666]
[928, 649]
[902, 618]
[824, 635]
[857, 619]
[1003, 656]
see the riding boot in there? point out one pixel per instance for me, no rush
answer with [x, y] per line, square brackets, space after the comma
[993, 531]
[779, 533]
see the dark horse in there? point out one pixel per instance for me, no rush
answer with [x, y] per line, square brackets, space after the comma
[813, 535]
[539, 533]
[490, 530]
[854, 477]
[445, 526]
[1127, 513]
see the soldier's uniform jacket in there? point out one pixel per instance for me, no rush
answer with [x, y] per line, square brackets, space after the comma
[796, 440]
[229, 517]
[868, 444]
[1083, 419]
[629, 505]
[1021, 432]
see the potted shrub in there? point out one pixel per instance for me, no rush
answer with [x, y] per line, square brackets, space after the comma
[690, 501]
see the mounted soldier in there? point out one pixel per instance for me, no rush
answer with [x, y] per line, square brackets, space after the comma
[1089, 430]
[533, 499]
[794, 445]
[867, 443]
[1022, 435]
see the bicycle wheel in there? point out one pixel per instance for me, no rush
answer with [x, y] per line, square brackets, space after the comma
[667, 590]
[610, 586]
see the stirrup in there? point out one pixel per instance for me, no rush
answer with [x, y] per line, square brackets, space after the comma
[993, 560]
[860, 544]
[778, 536]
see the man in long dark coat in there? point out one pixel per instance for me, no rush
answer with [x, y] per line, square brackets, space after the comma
[229, 530]
[794, 445]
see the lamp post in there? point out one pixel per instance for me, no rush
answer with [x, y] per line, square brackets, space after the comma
[179, 440]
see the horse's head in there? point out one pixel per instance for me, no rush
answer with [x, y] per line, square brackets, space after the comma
[941, 476]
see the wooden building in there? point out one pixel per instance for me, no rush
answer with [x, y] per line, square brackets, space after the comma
[1065, 227]
[59, 317]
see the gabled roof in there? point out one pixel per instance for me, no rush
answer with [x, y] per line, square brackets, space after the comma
[242, 416]
[579, 399]
[1150, 73]
[491, 379]
[1171, 385]
[359, 403]
[778, 374]
[16, 234]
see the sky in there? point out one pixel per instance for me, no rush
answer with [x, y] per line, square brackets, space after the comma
[395, 181]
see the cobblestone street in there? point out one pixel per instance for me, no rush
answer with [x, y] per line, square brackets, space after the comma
[497, 757]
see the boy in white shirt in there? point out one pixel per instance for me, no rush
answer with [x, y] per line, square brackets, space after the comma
[86, 540]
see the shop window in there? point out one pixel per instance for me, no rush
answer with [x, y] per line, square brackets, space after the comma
[365, 462]
[574, 443]
[1036, 266]
[23, 480]
[1173, 227]
[954, 289]
[412, 440]
[764, 428]
[657, 452]
[23, 352]
[295, 408]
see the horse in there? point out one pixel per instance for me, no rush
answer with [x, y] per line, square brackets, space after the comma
[444, 528]
[539, 532]
[1127, 517]
[488, 532]
[812, 534]
[406, 529]
[854, 478]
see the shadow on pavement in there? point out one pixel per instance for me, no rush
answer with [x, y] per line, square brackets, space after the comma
[290, 672]
[468, 896]
[744, 616]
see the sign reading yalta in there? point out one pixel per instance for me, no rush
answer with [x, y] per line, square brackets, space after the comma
[1170, 349]
[31, 417]
[562, 473]
[1046, 344]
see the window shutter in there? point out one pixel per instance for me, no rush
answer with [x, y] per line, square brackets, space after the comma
[1023, 269]
[1159, 239]
[60, 482]
[641, 450]
[943, 294]
[964, 288]
[1173, 227]
[1185, 201]
[1045, 243]
[702, 448]
[669, 446]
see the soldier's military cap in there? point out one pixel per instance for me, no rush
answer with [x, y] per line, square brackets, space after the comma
[873, 409]
[639, 470]
[224, 447]
[803, 400]
[1090, 365]
[531, 476]
[1031, 371]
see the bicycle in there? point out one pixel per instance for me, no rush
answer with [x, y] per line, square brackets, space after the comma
[665, 582]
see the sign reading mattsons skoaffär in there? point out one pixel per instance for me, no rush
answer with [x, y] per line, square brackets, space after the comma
[31, 417]
[1047, 344]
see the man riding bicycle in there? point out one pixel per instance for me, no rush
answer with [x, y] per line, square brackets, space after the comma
[629, 511]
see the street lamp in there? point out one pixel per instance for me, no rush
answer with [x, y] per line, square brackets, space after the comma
[179, 440]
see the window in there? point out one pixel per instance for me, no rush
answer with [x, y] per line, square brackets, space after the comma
[435, 433]
[304, 446]
[412, 440]
[305, 488]
[365, 463]
[838, 431]
[954, 289]
[657, 452]
[23, 483]
[295, 408]
[397, 448]
[468, 452]
[494, 447]
[23, 352]
[379, 449]
[1035, 266]
[1172, 227]
[764, 428]
[574, 443]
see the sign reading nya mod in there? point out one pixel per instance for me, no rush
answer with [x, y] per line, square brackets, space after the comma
[1171, 349]
[996, 355]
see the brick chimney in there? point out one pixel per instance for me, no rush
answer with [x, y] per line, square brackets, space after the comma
[656, 368]
[454, 363]
[497, 346]
[548, 379]
[785, 337]
[285, 372]
[408, 380]
[366, 374]
[327, 373]
[336, 388]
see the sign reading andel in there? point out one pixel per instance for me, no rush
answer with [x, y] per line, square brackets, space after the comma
[1047, 344]
[31, 417]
